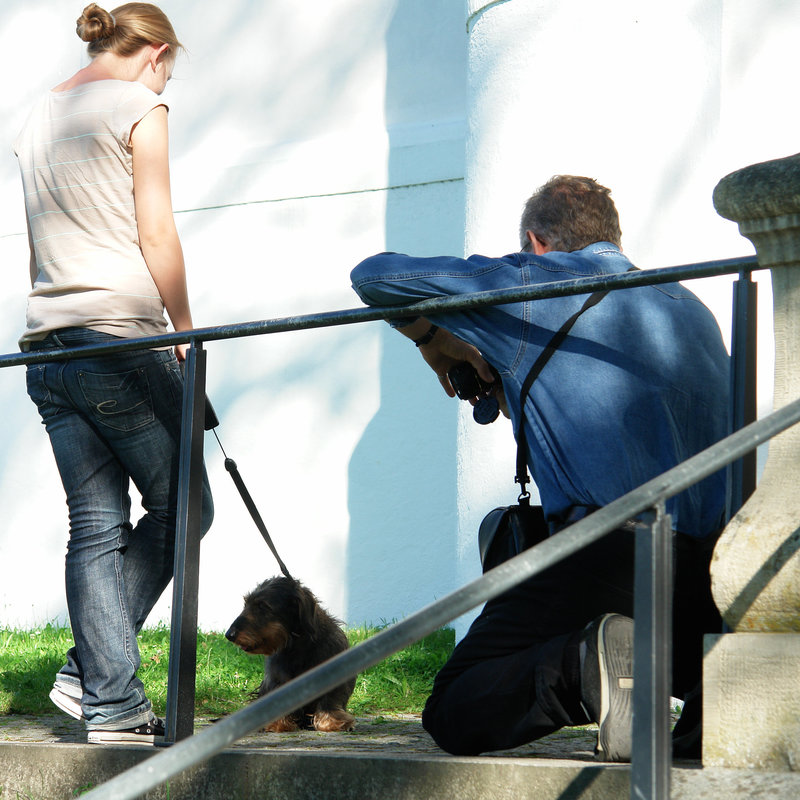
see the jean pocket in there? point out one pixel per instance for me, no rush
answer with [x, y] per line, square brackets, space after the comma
[37, 389]
[118, 400]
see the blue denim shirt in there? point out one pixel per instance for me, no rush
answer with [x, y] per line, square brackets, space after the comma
[640, 384]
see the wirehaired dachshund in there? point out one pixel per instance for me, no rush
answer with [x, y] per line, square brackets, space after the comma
[284, 621]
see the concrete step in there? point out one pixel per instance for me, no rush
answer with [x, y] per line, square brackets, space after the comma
[45, 760]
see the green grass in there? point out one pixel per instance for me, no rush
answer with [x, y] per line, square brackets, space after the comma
[30, 659]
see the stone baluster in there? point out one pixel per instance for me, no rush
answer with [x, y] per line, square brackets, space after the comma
[752, 675]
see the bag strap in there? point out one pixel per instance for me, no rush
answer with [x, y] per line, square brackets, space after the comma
[522, 477]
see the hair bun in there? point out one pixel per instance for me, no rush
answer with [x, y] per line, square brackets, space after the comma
[94, 23]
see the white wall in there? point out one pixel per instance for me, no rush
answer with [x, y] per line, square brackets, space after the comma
[306, 137]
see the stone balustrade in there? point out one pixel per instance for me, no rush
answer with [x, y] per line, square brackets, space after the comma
[752, 675]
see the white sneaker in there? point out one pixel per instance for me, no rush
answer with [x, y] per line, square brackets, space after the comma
[149, 733]
[67, 697]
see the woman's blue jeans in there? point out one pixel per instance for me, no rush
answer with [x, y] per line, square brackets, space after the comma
[112, 419]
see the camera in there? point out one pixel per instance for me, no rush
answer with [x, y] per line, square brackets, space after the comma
[468, 384]
[466, 381]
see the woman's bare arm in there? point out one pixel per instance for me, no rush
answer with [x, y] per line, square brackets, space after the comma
[158, 235]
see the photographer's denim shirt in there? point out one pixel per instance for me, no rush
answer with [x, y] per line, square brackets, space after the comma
[640, 384]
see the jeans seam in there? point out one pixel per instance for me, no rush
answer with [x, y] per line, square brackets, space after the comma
[125, 619]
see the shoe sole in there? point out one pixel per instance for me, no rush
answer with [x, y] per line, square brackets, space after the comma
[66, 703]
[615, 657]
[122, 737]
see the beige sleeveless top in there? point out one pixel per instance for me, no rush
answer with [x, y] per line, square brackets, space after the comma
[76, 163]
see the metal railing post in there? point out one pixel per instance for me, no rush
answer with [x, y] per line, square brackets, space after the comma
[183, 634]
[652, 657]
[742, 475]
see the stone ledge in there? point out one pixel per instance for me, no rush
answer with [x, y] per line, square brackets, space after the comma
[43, 758]
[57, 772]
[751, 704]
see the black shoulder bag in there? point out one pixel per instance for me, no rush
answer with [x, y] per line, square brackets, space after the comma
[507, 531]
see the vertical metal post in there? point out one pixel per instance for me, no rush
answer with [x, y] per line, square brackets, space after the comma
[652, 658]
[742, 473]
[183, 633]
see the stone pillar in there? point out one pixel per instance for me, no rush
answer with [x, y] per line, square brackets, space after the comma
[752, 676]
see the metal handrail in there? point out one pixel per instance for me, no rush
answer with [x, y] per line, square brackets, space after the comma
[652, 494]
[212, 740]
[435, 305]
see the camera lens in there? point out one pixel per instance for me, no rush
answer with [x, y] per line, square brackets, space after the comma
[486, 410]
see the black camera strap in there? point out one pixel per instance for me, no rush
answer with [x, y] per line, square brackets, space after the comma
[522, 477]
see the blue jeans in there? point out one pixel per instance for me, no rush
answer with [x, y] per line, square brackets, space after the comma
[113, 419]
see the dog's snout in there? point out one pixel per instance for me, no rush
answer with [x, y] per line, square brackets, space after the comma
[230, 634]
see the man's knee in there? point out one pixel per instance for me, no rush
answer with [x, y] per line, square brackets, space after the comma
[449, 737]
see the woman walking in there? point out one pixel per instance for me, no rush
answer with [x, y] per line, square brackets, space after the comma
[106, 263]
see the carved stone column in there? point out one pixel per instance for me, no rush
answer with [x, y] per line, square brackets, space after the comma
[752, 676]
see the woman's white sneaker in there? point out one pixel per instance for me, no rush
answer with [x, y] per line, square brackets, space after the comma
[67, 698]
[148, 733]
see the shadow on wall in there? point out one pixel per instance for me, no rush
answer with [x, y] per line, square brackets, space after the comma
[403, 473]
[402, 496]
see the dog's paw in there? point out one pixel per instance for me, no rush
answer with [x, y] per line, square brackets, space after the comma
[282, 725]
[337, 720]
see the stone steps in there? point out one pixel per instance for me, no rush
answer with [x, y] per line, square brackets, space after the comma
[45, 759]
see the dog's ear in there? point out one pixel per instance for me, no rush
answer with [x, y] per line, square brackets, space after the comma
[307, 608]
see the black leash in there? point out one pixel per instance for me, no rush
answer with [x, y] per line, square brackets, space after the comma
[211, 423]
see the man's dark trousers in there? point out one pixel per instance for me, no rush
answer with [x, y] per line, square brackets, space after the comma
[515, 676]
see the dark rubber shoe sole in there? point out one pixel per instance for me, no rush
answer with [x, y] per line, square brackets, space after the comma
[615, 657]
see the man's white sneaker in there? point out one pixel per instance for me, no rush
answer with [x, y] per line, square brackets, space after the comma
[606, 653]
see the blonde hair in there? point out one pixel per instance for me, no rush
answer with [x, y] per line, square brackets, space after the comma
[126, 29]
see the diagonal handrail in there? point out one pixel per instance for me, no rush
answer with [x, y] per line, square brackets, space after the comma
[192, 751]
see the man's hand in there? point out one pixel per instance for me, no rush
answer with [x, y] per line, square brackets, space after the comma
[447, 350]
[444, 351]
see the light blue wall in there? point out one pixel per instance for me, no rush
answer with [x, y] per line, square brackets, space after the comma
[402, 512]
[305, 137]
[302, 141]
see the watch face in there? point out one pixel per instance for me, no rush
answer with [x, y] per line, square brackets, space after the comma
[486, 410]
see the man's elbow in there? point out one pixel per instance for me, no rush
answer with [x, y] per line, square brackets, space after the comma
[367, 276]
[373, 267]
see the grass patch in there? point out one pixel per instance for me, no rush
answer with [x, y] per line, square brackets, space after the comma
[29, 660]
[402, 682]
